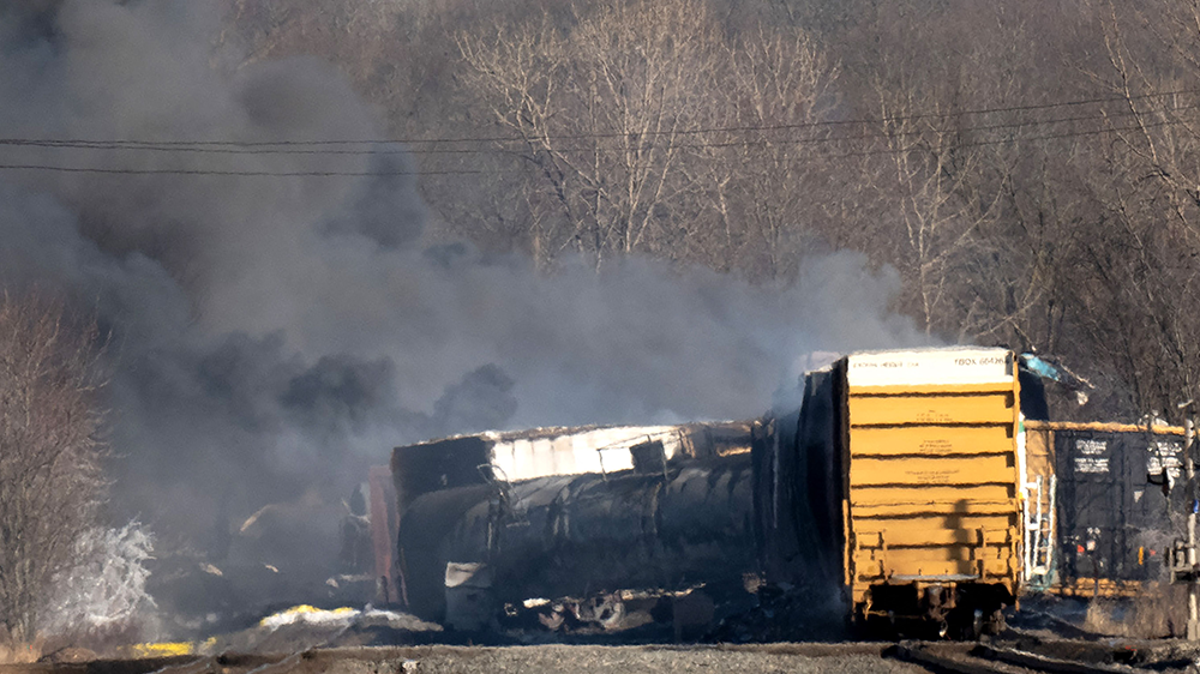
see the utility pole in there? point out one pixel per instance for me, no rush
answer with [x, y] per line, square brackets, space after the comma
[1193, 621]
[1184, 567]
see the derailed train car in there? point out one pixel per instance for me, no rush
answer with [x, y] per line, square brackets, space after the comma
[900, 479]
[1116, 503]
[574, 535]
[897, 479]
[499, 518]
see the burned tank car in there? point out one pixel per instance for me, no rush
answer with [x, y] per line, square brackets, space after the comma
[574, 535]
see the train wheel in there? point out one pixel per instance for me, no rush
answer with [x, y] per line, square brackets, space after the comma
[963, 624]
[881, 627]
[995, 623]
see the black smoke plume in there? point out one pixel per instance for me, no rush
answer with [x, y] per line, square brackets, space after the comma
[274, 335]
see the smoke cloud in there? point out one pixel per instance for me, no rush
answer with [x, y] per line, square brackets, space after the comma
[274, 335]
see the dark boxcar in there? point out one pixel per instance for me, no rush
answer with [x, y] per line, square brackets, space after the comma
[799, 487]
[1120, 504]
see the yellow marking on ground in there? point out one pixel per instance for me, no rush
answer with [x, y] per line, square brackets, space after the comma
[162, 649]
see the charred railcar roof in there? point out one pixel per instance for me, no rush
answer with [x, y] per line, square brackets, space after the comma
[513, 456]
[543, 432]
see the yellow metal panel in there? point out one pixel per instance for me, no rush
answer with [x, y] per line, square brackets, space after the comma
[1100, 426]
[931, 440]
[933, 484]
[917, 562]
[948, 510]
[989, 408]
[940, 497]
[884, 531]
[158, 649]
[915, 538]
[923, 389]
[1039, 462]
[936, 522]
[1104, 587]
[919, 471]
[1039, 453]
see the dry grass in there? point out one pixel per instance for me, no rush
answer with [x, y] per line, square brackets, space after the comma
[111, 640]
[1159, 612]
[18, 654]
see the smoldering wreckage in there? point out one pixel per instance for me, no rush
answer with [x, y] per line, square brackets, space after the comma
[913, 492]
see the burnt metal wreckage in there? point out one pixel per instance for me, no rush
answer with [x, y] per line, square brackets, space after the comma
[914, 492]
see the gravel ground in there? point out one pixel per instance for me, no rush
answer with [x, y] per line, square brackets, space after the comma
[833, 659]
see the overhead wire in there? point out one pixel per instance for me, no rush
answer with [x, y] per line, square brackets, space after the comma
[180, 146]
[266, 147]
[222, 172]
[81, 142]
[218, 172]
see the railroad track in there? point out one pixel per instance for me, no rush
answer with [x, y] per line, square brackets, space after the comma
[1024, 657]
[946, 658]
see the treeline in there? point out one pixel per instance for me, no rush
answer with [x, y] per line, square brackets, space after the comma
[1030, 169]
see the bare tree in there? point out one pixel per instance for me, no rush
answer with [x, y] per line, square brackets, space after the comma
[354, 35]
[647, 128]
[1146, 177]
[923, 172]
[717, 132]
[50, 457]
[601, 109]
[769, 177]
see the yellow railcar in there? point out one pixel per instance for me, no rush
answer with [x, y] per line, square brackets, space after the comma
[932, 496]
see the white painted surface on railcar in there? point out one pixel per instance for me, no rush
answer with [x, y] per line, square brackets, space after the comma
[577, 451]
[935, 366]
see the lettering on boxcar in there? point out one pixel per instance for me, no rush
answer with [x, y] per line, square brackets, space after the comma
[1091, 464]
[930, 476]
[1164, 455]
[936, 445]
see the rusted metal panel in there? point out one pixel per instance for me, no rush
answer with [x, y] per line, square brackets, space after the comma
[1103, 426]
[384, 527]
[1040, 507]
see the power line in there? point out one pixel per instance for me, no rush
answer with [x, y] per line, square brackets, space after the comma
[167, 147]
[131, 143]
[985, 143]
[877, 151]
[206, 172]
